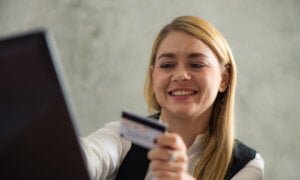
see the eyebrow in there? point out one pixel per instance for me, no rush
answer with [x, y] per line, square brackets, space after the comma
[191, 55]
[167, 55]
[195, 55]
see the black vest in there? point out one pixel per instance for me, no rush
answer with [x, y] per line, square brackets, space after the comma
[135, 164]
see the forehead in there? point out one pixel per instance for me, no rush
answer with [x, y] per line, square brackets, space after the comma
[177, 41]
[180, 43]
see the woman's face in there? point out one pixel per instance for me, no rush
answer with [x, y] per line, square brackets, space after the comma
[187, 76]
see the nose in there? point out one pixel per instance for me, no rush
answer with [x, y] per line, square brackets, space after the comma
[181, 74]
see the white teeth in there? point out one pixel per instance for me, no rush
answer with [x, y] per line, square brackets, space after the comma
[182, 93]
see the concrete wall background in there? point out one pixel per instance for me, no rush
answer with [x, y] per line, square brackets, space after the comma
[105, 46]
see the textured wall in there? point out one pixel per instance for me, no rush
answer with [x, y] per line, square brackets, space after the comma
[105, 46]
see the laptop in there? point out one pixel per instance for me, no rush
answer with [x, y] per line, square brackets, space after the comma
[38, 138]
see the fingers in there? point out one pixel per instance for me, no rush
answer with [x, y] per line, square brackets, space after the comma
[167, 175]
[163, 154]
[169, 145]
[171, 166]
[169, 158]
[162, 168]
[171, 140]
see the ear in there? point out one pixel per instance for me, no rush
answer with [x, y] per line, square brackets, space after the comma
[151, 69]
[151, 72]
[225, 78]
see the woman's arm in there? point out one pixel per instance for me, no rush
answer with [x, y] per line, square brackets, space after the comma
[104, 150]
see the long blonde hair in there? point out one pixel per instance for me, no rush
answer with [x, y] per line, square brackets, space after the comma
[218, 140]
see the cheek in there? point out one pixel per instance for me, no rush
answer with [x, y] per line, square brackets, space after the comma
[217, 82]
[155, 81]
[212, 81]
[159, 81]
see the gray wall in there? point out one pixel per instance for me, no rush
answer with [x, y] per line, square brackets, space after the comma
[105, 46]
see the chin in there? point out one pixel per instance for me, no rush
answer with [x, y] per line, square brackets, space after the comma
[182, 112]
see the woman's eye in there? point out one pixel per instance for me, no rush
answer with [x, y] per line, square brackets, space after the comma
[167, 65]
[196, 65]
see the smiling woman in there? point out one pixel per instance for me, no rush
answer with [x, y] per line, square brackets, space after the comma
[190, 86]
[186, 78]
[192, 59]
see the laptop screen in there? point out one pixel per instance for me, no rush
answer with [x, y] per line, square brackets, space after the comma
[37, 137]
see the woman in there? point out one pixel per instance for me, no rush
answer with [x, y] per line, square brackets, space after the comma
[190, 85]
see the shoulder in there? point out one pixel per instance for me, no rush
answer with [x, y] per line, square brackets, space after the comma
[258, 162]
[251, 164]
[242, 155]
[254, 170]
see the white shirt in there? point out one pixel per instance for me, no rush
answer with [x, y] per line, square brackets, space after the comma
[104, 151]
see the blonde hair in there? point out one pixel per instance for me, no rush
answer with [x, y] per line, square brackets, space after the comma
[218, 140]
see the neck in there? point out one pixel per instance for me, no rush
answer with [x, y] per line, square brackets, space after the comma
[188, 127]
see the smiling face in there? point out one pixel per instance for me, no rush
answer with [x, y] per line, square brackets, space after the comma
[187, 76]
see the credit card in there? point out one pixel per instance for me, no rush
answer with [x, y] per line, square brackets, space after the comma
[141, 130]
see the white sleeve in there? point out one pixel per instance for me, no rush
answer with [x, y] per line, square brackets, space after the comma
[254, 170]
[104, 150]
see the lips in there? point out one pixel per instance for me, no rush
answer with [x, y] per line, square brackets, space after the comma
[182, 92]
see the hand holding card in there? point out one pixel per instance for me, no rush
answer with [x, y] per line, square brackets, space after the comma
[141, 130]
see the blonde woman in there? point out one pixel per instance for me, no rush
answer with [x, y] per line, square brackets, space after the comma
[190, 86]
